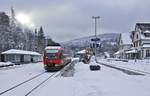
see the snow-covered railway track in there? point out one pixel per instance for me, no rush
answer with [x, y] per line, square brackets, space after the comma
[50, 76]
[26, 87]
[17, 85]
[126, 70]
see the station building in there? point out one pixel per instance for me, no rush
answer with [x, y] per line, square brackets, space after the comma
[20, 56]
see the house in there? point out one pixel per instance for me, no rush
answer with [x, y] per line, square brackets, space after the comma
[20, 56]
[125, 45]
[141, 40]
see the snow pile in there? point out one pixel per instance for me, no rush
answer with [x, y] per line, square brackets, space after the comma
[6, 64]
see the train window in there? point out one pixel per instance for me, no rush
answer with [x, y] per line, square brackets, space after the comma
[52, 51]
[51, 55]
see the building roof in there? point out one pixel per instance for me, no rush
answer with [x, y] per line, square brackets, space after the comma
[81, 52]
[126, 38]
[118, 52]
[143, 26]
[146, 31]
[146, 46]
[131, 51]
[23, 52]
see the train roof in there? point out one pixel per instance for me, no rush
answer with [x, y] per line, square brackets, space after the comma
[53, 47]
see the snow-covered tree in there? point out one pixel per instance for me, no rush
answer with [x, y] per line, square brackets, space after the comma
[41, 40]
[17, 36]
[50, 42]
[5, 36]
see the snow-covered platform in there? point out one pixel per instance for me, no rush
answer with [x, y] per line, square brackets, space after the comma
[140, 65]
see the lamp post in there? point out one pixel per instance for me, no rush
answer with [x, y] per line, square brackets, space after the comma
[136, 53]
[95, 21]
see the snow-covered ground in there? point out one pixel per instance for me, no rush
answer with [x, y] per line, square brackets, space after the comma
[9, 78]
[142, 65]
[110, 82]
[106, 82]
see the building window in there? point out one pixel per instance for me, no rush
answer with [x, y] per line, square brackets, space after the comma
[140, 43]
[147, 34]
[147, 53]
[137, 36]
[136, 44]
[142, 54]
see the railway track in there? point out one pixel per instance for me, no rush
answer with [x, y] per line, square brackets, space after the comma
[34, 88]
[17, 85]
[26, 87]
[127, 70]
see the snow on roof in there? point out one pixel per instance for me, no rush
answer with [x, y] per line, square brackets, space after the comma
[106, 54]
[15, 51]
[131, 51]
[146, 46]
[126, 38]
[81, 52]
[147, 31]
[118, 52]
[53, 47]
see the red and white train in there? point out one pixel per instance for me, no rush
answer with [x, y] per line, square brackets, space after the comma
[54, 58]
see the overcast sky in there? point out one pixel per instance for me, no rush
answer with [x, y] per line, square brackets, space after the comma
[65, 20]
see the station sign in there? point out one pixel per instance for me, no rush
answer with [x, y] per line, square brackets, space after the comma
[95, 45]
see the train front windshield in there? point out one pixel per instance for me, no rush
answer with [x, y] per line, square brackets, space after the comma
[51, 54]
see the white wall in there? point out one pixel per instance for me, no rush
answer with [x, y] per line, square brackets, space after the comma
[17, 58]
[27, 58]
